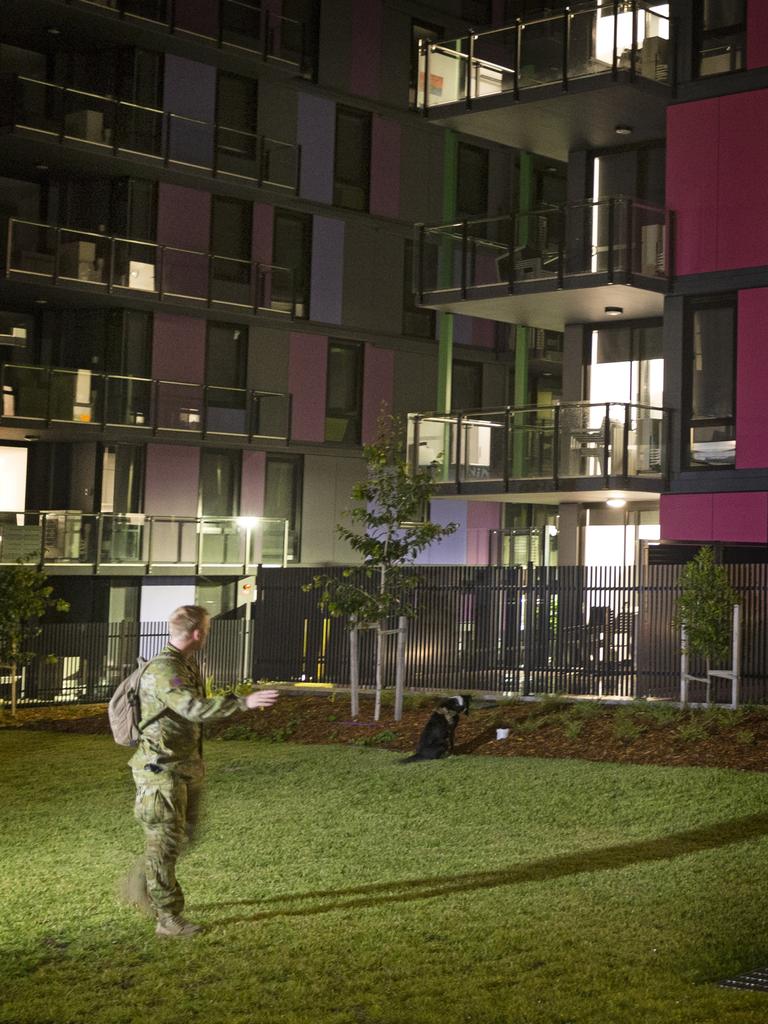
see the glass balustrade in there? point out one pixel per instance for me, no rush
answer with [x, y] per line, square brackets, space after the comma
[83, 258]
[608, 236]
[51, 395]
[72, 115]
[603, 39]
[573, 440]
[137, 542]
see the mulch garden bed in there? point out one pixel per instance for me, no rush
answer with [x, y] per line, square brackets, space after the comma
[637, 733]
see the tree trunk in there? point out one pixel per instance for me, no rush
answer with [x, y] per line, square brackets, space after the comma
[13, 688]
[402, 626]
[354, 671]
[380, 638]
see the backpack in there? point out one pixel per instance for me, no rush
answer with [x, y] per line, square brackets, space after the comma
[125, 710]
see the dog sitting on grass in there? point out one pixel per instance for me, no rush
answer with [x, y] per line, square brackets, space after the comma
[437, 737]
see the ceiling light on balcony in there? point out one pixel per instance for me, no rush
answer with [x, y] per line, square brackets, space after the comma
[41, 302]
[52, 30]
[623, 129]
[614, 310]
[31, 437]
[616, 502]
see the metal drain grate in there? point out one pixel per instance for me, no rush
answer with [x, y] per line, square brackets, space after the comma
[757, 981]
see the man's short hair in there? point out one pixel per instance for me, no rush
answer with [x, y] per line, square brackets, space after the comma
[186, 619]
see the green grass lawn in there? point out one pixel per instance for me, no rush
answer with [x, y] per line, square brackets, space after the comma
[339, 886]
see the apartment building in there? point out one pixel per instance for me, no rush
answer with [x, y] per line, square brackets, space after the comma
[206, 293]
[233, 230]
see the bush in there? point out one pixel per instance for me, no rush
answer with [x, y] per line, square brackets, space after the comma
[626, 729]
[692, 732]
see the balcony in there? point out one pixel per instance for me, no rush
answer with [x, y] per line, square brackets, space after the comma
[86, 260]
[34, 109]
[45, 396]
[556, 83]
[238, 26]
[549, 267]
[79, 543]
[575, 451]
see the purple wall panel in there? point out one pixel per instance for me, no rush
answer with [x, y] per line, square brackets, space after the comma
[307, 372]
[327, 287]
[189, 88]
[252, 483]
[263, 230]
[385, 168]
[752, 380]
[178, 348]
[378, 385]
[183, 217]
[484, 333]
[451, 550]
[742, 215]
[367, 33]
[316, 134]
[692, 154]
[686, 517]
[171, 480]
[199, 16]
[757, 35]
[462, 329]
[482, 516]
[498, 12]
[741, 517]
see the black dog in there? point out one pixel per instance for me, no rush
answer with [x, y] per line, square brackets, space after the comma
[437, 736]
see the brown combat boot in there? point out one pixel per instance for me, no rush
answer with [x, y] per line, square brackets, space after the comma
[169, 926]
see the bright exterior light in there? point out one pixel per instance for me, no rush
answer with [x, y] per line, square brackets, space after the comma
[614, 310]
[246, 521]
[616, 502]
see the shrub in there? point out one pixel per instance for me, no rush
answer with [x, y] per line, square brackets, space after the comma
[692, 732]
[573, 728]
[626, 729]
[746, 737]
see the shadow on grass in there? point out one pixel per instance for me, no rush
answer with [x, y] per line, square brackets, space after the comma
[610, 858]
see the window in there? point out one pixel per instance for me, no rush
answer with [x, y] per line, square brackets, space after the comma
[711, 399]
[122, 478]
[466, 385]
[231, 232]
[719, 36]
[431, 34]
[282, 500]
[471, 181]
[344, 392]
[236, 112]
[225, 376]
[416, 320]
[352, 162]
[292, 257]
[219, 482]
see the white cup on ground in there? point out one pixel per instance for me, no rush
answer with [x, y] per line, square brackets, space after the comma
[502, 734]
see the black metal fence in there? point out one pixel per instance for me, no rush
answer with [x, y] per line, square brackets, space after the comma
[592, 631]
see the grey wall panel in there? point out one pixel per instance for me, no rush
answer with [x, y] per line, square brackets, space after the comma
[415, 382]
[278, 108]
[394, 63]
[328, 481]
[335, 44]
[268, 359]
[373, 275]
[494, 384]
[421, 181]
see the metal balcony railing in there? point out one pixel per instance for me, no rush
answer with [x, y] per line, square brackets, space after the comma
[128, 129]
[613, 237]
[67, 256]
[73, 541]
[598, 39]
[49, 395]
[602, 441]
[243, 25]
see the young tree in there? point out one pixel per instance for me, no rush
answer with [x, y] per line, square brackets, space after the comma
[25, 595]
[705, 610]
[388, 532]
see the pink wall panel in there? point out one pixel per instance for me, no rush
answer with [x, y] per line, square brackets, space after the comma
[752, 379]
[686, 517]
[482, 516]
[692, 154]
[171, 480]
[757, 34]
[385, 168]
[184, 217]
[263, 231]
[378, 384]
[307, 373]
[252, 483]
[741, 517]
[178, 348]
[367, 34]
[742, 217]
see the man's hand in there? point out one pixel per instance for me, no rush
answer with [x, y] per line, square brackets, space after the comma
[261, 699]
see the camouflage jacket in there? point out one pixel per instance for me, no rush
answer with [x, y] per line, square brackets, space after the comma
[173, 708]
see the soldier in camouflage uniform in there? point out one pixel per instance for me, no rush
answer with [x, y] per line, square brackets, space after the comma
[168, 765]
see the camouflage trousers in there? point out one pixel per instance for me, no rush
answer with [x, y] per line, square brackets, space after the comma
[168, 810]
